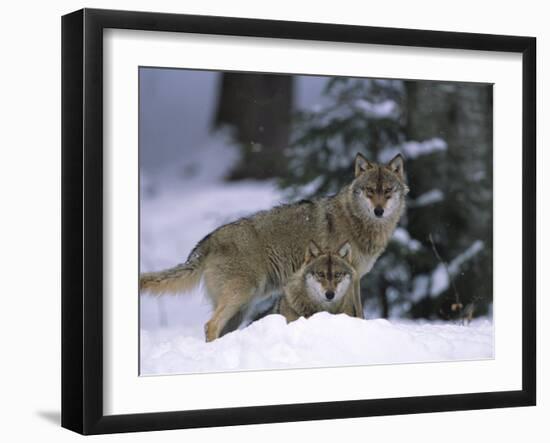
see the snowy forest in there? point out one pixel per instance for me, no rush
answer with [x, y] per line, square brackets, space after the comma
[218, 146]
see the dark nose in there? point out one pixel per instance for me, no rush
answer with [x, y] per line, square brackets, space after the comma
[379, 211]
[329, 295]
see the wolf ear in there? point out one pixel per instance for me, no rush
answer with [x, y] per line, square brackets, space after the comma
[344, 251]
[312, 251]
[397, 166]
[362, 164]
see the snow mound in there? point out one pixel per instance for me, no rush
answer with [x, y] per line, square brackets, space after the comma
[324, 340]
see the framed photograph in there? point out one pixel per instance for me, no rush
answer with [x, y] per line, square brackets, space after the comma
[269, 221]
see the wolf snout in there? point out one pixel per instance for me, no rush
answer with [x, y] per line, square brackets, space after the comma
[329, 295]
[379, 211]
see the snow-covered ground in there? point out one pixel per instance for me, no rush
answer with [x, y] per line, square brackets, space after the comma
[190, 200]
[323, 340]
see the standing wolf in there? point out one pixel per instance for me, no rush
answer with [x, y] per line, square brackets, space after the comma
[325, 282]
[252, 258]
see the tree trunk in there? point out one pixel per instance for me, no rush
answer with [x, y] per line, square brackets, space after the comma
[258, 108]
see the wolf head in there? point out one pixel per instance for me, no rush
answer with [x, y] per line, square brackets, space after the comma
[379, 190]
[327, 275]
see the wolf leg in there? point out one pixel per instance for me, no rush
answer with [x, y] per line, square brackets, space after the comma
[286, 311]
[357, 305]
[223, 313]
[230, 296]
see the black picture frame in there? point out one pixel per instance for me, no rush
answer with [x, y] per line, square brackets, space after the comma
[82, 220]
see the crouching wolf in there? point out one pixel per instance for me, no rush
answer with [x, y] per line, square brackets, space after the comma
[254, 257]
[325, 282]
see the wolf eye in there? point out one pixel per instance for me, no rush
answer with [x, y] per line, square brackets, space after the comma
[338, 275]
[388, 190]
[321, 274]
[370, 191]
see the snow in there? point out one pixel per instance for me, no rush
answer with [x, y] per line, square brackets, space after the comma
[428, 198]
[474, 249]
[383, 109]
[386, 109]
[440, 280]
[421, 285]
[323, 340]
[402, 236]
[440, 276]
[413, 149]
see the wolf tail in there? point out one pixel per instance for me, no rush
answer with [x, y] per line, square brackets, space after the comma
[180, 278]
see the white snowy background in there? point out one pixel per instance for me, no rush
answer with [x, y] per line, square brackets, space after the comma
[184, 197]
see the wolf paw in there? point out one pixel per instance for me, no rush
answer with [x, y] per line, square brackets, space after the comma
[210, 332]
